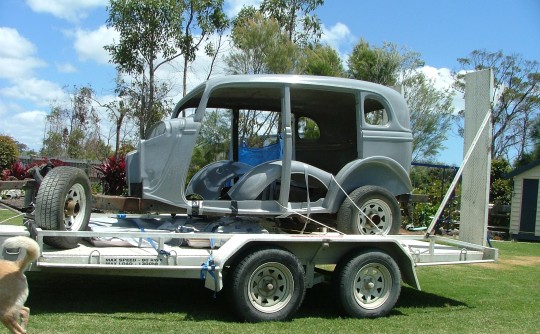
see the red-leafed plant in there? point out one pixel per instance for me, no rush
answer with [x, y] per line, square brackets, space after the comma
[20, 171]
[17, 171]
[113, 175]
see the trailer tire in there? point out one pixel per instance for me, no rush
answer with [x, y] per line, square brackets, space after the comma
[64, 203]
[377, 203]
[267, 285]
[368, 284]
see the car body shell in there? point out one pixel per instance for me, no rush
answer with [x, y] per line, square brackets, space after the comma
[364, 139]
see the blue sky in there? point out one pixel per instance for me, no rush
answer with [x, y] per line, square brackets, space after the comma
[47, 45]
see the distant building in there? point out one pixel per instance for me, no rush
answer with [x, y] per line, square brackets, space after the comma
[524, 215]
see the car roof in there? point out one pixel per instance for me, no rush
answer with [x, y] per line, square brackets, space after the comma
[394, 98]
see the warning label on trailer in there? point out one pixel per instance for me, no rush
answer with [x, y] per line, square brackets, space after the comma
[131, 261]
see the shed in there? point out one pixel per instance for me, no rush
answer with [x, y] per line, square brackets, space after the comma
[524, 215]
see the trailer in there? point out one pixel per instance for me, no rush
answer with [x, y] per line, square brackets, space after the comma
[325, 208]
[266, 274]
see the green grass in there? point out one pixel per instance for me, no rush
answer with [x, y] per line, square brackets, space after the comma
[486, 298]
[9, 217]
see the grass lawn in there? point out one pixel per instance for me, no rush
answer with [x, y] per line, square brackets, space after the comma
[9, 217]
[483, 298]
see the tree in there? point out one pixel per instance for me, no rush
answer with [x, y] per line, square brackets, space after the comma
[53, 145]
[431, 114]
[380, 65]
[154, 33]
[296, 18]
[72, 129]
[8, 152]
[431, 109]
[323, 60]
[534, 153]
[261, 47]
[516, 99]
[150, 36]
[202, 18]
[127, 108]
[118, 112]
[500, 190]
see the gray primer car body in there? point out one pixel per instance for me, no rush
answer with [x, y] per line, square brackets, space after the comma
[354, 148]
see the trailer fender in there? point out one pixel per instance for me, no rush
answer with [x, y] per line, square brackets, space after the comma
[403, 259]
[304, 247]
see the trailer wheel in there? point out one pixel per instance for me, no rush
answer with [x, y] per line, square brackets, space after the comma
[380, 212]
[63, 203]
[368, 284]
[267, 285]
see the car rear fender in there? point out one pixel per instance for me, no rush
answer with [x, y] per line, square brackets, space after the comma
[377, 171]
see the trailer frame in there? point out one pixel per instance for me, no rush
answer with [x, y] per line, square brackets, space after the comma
[212, 256]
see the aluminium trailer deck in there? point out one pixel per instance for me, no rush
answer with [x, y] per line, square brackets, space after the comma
[193, 255]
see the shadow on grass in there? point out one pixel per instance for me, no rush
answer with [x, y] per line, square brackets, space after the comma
[52, 293]
[322, 302]
[411, 297]
[68, 293]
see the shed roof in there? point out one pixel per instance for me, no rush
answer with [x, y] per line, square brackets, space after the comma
[523, 169]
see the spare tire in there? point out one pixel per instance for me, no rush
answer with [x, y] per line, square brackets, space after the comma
[64, 203]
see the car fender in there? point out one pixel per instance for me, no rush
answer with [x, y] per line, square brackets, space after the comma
[377, 171]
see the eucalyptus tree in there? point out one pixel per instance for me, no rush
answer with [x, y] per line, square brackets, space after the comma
[431, 108]
[259, 46]
[296, 18]
[153, 33]
[323, 60]
[516, 99]
[72, 127]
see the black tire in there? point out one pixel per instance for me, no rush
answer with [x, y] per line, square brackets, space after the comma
[377, 203]
[267, 285]
[64, 203]
[368, 284]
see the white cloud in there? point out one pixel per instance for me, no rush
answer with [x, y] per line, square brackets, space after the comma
[13, 68]
[442, 76]
[444, 80]
[338, 36]
[17, 55]
[14, 45]
[40, 92]
[35, 116]
[89, 43]
[66, 68]
[70, 10]
[233, 7]
[9, 107]
[26, 127]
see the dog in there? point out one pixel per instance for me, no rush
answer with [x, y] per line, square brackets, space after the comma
[13, 285]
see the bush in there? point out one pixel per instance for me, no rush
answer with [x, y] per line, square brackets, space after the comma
[17, 171]
[20, 171]
[8, 152]
[113, 175]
